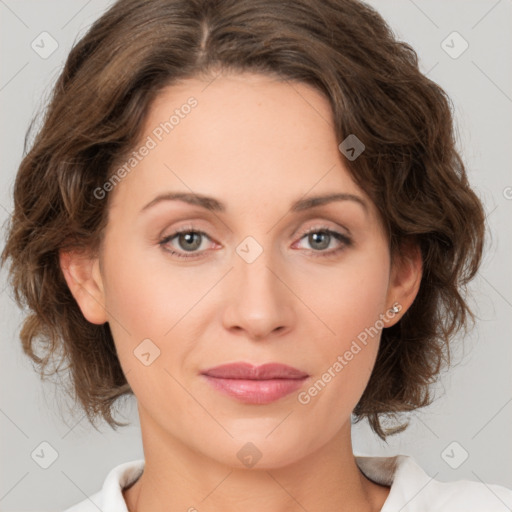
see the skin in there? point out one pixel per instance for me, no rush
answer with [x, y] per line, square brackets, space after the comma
[257, 145]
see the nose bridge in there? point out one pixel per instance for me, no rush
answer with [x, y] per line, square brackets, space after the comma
[260, 303]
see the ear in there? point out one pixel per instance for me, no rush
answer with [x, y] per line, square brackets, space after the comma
[82, 274]
[404, 284]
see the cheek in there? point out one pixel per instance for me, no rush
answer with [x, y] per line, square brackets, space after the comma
[140, 303]
[350, 296]
[143, 291]
[150, 298]
[350, 300]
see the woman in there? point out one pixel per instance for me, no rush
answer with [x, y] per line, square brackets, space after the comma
[252, 216]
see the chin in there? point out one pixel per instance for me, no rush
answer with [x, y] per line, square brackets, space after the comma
[259, 451]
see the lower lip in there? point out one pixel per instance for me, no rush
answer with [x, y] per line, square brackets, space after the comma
[256, 391]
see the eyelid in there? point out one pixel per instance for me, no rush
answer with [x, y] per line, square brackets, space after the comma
[320, 224]
[324, 227]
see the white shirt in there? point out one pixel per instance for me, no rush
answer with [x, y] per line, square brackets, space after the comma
[412, 490]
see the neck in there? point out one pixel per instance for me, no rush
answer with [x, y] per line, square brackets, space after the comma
[176, 477]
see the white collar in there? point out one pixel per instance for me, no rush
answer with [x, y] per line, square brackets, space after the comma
[412, 489]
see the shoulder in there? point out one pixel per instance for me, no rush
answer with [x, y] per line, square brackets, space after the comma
[110, 497]
[413, 490]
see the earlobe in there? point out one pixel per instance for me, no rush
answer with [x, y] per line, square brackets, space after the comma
[405, 280]
[83, 277]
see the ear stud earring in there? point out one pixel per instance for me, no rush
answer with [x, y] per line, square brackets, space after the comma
[396, 308]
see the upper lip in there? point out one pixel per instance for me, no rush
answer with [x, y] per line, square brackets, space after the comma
[250, 372]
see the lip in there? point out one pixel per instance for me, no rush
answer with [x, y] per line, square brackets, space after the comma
[250, 372]
[255, 384]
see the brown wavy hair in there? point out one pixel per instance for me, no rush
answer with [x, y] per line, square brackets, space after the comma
[410, 168]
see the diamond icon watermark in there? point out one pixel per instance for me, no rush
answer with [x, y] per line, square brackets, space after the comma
[249, 249]
[249, 455]
[44, 455]
[44, 45]
[146, 352]
[351, 147]
[454, 45]
[454, 455]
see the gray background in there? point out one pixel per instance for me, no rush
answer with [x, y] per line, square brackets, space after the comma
[473, 408]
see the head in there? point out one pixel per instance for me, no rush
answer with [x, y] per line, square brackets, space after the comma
[248, 105]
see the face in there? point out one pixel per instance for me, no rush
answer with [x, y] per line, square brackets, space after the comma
[257, 273]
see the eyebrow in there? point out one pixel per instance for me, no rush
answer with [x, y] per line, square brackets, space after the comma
[214, 205]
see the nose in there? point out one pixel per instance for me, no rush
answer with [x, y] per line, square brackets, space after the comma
[259, 304]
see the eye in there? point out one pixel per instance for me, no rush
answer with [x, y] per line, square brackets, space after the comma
[185, 241]
[192, 241]
[323, 238]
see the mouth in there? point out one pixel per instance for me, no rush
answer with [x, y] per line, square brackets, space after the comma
[255, 384]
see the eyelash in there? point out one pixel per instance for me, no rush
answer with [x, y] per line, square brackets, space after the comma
[344, 239]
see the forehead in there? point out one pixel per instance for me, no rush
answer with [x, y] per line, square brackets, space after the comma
[242, 104]
[241, 135]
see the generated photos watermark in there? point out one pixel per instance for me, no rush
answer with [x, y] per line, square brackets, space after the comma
[151, 142]
[304, 397]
